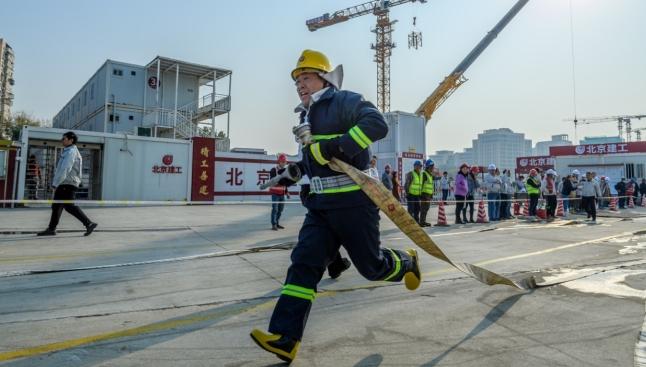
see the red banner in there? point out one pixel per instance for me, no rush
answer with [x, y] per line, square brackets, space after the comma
[594, 149]
[203, 180]
[525, 164]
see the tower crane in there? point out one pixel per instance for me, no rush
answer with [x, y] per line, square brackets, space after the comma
[383, 45]
[638, 133]
[457, 78]
[621, 120]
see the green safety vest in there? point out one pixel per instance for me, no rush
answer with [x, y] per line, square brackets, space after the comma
[531, 189]
[427, 187]
[415, 187]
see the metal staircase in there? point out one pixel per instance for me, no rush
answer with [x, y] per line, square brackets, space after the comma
[163, 123]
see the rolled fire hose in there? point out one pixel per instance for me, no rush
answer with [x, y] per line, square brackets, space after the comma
[384, 199]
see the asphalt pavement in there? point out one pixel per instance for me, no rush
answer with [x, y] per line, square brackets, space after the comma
[184, 286]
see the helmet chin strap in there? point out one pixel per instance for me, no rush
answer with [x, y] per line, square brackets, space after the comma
[334, 77]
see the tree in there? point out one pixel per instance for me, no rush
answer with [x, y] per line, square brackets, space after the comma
[18, 121]
[206, 132]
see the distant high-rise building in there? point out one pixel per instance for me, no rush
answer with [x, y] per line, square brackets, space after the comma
[501, 147]
[543, 147]
[6, 83]
[444, 160]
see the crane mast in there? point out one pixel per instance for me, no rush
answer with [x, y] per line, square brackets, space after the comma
[383, 38]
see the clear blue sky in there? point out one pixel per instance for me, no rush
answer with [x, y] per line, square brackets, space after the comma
[523, 81]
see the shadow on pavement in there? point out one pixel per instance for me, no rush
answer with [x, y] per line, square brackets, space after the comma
[373, 360]
[490, 318]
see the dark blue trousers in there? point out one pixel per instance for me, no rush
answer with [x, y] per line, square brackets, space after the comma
[319, 240]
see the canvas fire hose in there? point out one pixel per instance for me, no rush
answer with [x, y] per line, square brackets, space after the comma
[384, 199]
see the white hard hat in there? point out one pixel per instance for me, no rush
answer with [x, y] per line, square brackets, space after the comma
[576, 172]
[551, 172]
[492, 166]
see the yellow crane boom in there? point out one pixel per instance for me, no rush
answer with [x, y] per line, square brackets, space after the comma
[456, 78]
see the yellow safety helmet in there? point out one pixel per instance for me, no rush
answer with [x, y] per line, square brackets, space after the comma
[311, 61]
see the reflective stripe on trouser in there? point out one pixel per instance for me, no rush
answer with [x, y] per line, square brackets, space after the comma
[323, 231]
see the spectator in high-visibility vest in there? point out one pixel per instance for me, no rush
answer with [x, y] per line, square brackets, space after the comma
[427, 192]
[533, 185]
[413, 187]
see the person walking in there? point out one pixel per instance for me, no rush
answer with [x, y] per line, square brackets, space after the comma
[428, 189]
[461, 191]
[549, 190]
[474, 185]
[413, 189]
[444, 185]
[67, 178]
[533, 185]
[386, 178]
[589, 192]
[396, 186]
[493, 185]
[343, 125]
[278, 193]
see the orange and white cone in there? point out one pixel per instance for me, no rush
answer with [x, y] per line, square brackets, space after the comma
[526, 209]
[613, 204]
[441, 216]
[643, 200]
[482, 214]
[559, 208]
[516, 208]
[631, 202]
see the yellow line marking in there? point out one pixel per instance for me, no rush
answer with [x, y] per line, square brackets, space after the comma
[145, 329]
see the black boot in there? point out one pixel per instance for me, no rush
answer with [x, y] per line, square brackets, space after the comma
[90, 228]
[338, 266]
[47, 232]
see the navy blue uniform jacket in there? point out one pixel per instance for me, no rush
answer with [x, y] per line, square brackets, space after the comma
[336, 112]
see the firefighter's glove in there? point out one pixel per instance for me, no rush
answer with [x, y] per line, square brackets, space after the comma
[324, 150]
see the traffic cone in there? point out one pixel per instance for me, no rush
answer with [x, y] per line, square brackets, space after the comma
[643, 200]
[631, 202]
[559, 208]
[526, 209]
[613, 204]
[441, 216]
[516, 208]
[482, 214]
